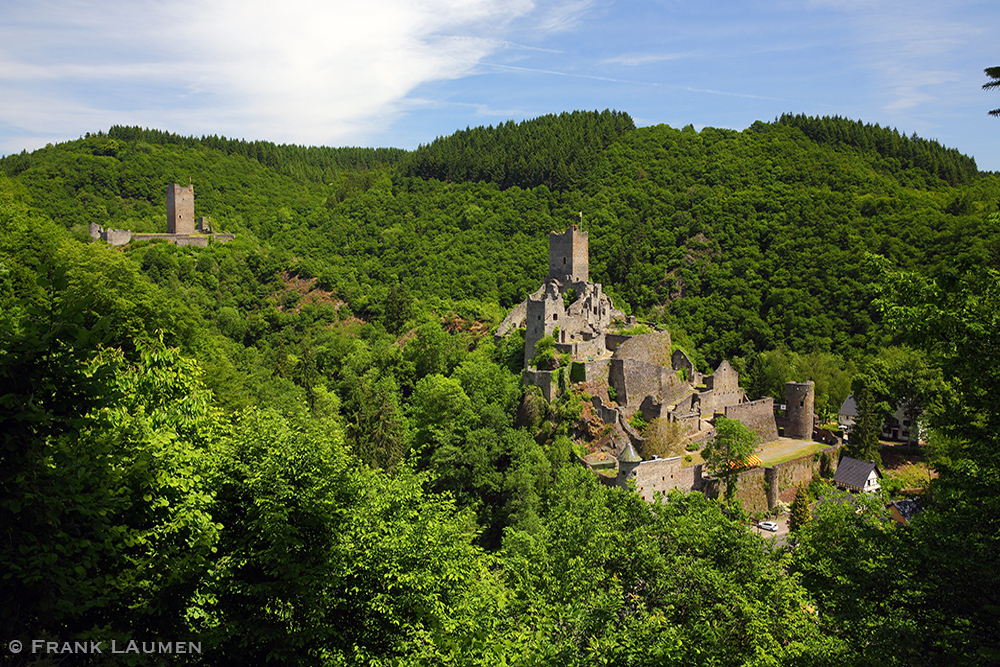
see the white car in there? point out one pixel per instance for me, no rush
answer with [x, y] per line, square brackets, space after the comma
[768, 525]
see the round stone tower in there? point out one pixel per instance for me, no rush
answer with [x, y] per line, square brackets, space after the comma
[628, 461]
[800, 399]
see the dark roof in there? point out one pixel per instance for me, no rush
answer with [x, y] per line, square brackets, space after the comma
[629, 455]
[852, 472]
[849, 408]
[908, 508]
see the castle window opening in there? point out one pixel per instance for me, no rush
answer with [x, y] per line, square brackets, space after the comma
[564, 261]
[555, 317]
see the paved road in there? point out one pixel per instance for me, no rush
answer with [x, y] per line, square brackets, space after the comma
[780, 537]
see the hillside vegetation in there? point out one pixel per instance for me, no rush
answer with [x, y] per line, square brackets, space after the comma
[303, 445]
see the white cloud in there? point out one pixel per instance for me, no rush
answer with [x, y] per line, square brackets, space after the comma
[303, 71]
[913, 50]
[635, 60]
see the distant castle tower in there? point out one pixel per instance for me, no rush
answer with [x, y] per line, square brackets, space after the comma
[180, 209]
[569, 259]
[800, 400]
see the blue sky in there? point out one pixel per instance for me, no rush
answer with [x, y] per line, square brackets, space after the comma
[402, 72]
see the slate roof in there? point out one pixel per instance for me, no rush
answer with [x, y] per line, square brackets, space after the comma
[854, 473]
[849, 408]
[907, 509]
[629, 455]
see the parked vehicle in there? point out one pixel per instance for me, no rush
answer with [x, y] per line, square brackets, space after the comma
[768, 525]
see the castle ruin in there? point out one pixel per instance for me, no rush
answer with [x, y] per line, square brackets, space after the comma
[180, 209]
[182, 227]
[630, 373]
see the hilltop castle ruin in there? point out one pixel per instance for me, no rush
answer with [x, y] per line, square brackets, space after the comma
[629, 373]
[182, 227]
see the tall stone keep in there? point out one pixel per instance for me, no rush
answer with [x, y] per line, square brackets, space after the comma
[180, 209]
[800, 399]
[569, 260]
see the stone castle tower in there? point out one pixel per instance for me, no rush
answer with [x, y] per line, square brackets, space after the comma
[180, 209]
[800, 398]
[569, 259]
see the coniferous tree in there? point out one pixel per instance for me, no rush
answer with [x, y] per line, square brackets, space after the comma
[994, 74]
[800, 509]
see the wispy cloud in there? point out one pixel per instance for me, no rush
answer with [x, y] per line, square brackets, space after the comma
[635, 60]
[306, 71]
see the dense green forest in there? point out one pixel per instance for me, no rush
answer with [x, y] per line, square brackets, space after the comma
[304, 445]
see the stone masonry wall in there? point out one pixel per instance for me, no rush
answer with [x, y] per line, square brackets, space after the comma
[663, 475]
[758, 416]
[651, 348]
[759, 489]
[614, 341]
[801, 470]
[547, 381]
[180, 209]
[723, 390]
[799, 408]
[569, 257]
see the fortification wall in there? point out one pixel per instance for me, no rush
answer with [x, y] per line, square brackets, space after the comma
[651, 348]
[607, 414]
[614, 341]
[663, 475]
[593, 371]
[801, 470]
[758, 416]
[751, 489]
[589, 349]
[680, 361]
[722, 389]
[117, 237]
[759, 489]
[547, 381]
[634, 380]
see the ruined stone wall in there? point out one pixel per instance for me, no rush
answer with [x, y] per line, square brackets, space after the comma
[589, 349]
[614, 341]
[651, 348]
[680, 361]
[607, 414]
[799, 408]
[758, 416]
[672, 388]
[751, 489]
[514, 319]
[117, 237]
[592, 305]
[801, 470]
[634, 380]
[663, 475]
[722, 389]
[543, 315]
[547, 381]
[180, 209]
[759, 489]
[569, 257]
[596, 371]
[198, 241]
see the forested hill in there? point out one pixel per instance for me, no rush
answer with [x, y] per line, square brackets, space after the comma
[747, 240]
[304, 446]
